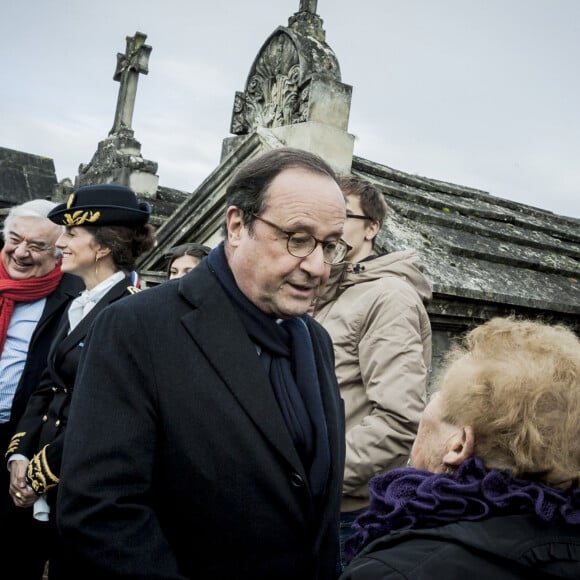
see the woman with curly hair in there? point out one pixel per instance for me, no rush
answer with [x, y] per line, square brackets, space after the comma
[494, 488]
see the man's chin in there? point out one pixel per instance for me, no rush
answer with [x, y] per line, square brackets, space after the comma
[20, 273]
[292, 308]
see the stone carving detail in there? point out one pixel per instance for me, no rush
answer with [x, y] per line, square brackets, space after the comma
[115, 159]
[307, 22]
[273, 96]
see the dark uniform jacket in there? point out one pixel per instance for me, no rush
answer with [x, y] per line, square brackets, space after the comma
[17, 523]
[178, 462]
[39, 434]
[54, 308]
[42, 337]
[499, 548]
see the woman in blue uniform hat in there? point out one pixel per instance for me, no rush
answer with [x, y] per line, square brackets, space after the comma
[105, 230]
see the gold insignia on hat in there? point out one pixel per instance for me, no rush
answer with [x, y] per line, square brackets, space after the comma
[70, 200]
[79, 217]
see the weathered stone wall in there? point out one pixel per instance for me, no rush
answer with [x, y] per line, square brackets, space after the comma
[24, 176]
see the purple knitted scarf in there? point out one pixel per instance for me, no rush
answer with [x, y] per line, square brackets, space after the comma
[407, 498]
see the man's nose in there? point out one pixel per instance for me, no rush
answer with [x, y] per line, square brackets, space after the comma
[21, 250]
[314, 263]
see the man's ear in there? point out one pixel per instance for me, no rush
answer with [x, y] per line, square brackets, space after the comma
[234, 224]
[462, 445]
[372, 230]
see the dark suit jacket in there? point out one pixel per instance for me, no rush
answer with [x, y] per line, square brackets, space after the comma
[177, 461]
[45, 417]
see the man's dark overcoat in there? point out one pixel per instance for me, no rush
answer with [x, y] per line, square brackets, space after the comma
[178, 462]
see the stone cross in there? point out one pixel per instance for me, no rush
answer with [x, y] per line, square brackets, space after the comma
[129, 65]
[308, 6]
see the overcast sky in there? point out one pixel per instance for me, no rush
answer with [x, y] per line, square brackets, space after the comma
[482, 93]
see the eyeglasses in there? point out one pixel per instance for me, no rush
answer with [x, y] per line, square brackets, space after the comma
[301, 244]
[358, 217]
[32, 247]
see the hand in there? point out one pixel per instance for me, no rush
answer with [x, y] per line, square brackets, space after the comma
[21, 493]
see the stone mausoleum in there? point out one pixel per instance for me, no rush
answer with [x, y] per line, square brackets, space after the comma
[484, 255]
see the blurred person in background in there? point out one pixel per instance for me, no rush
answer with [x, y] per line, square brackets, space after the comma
[183, 258]
[373, 307]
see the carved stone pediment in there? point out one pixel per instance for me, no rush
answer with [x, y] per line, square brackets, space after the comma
[278, 86]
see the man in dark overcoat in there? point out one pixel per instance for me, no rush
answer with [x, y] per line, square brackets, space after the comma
[206, 436]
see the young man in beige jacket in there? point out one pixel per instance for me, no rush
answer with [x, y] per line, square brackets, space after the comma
[374, 310]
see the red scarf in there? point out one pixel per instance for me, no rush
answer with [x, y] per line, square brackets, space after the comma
[28, 290]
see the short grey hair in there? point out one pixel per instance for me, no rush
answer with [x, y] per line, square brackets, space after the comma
[38, 208]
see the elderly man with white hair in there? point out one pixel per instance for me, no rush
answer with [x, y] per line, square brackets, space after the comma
[34, 294]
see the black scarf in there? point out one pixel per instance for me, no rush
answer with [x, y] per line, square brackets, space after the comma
[286, 350]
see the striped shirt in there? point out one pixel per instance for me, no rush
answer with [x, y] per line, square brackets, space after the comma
[22, 324]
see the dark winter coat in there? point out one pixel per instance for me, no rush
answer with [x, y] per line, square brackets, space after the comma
[178, 462]
[499, 548]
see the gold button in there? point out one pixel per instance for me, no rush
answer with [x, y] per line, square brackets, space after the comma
[57, 422]
[45, 419]
[54, 389]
